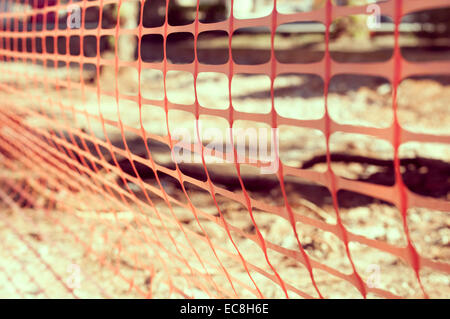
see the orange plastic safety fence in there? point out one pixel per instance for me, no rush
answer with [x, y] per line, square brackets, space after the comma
[73, 194]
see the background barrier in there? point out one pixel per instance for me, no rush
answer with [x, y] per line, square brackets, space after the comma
[93, 204]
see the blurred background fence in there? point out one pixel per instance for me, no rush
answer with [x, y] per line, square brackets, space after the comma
[94, 94]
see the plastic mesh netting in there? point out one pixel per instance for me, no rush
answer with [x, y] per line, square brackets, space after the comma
[95, 204]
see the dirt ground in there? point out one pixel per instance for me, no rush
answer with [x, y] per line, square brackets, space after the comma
[66, 234]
